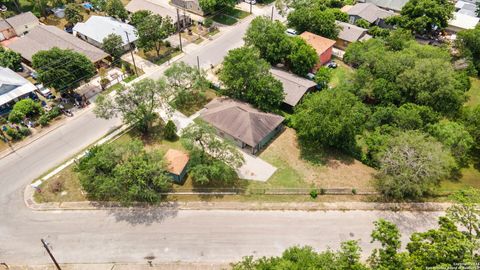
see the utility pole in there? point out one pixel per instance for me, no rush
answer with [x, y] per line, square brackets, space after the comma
[179, 32]
[198, 63]
[45, 245]
[250, 6]
[271, 17]
[131, 53]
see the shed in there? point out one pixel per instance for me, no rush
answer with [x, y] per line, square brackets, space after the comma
[323, 46]
[294, 87]
[177, 164]
[350, 33]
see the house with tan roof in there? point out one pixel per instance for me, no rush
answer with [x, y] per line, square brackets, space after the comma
[350, 33]
[249, 128]
[323, 46]
[18, 25]
[177, 163]
[369, 12]
[46, 37]
[294, 87]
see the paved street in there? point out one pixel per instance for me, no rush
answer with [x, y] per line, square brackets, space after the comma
[125, 236]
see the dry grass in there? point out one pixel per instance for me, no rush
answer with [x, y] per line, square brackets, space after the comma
[329, 171]
[71, 190]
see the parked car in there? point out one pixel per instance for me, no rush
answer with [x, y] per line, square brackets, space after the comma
[291, 32]
[310, 76]
[332, 64]
[251, 2]
[44, 91]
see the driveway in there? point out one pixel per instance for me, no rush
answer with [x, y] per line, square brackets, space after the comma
[255, 168]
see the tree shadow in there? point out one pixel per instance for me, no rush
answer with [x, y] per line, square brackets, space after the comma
[145, 215]
[323, 156]
[238, 186]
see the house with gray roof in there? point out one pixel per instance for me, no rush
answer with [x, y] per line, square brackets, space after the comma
[156, 8]
[238, 121]
[349, 33]
[46, 37]
[97, 28]
[17, 25]
[369, 12]
[294, 87]
[393, 5]
[13, 87]
[466, 8]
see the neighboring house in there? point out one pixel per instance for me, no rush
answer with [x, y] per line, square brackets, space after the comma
[13, 87]
[369, 12]
[177, 164]
[461, 22]
[46, 37]
[466, 8]
[155, 8]
[323, 46]
[393, 5]
[350, 33]
[248, 127]
[17, 25]
[190, 5]
[96, 28]
[294, 87]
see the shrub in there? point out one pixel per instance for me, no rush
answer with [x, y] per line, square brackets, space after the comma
[170, 131]
[24, 131]
[44, 120]
[55, 186]
[23, 108]
[168, 44]
[314, 193]
[14, 134]
[354, 191]
[208, 22]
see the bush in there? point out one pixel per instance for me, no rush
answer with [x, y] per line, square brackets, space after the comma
[24, 131]
[55, 186]
[44, 120]
[170, 131]
[23, 108]
[168, 44]
[314, 193]
[354, 191]
[14, 134]
[208, 22]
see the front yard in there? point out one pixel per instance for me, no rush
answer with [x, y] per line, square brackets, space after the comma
[166, 53]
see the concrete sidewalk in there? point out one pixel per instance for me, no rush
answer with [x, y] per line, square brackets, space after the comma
[109, 266]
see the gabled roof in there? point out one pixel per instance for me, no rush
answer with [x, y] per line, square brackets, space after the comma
[319, 43]
[369, 12]
[99, 27]
[13, 86]
[463, 21]
[46, 37]
[395, 5]
[350, 32]
[176, 161]
[137, 5]
[294, 86]
[22, 19]
[240, 120]
[4, 25]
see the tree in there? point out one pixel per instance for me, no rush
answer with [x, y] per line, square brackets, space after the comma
[398, 39]
[138, 16]
[471, 121]
[444, 247]
[412, 165]
[211, 158]
[170, 131]
[24, 108]
[209, 6]
[323, 76]
[269, 38]
[123, 172]
[10, 59]
[468, 43]
[112, 44]
[189, 84]
[478, 9]
[65, 76]
[73, 13]
[317, 21]
[362, 23]
[456, 137]
[302, 57]
[152, 31]
[247, 77]
[465, 213]
[388, 256]
[115, 8]
[412, 116]
[138, 105]
[331, 118]
[423, 17]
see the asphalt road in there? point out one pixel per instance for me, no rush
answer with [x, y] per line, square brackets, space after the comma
[126, 236]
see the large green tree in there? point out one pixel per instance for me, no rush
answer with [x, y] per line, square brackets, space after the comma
[247, 77]
[317, 21]
[468, 42]
[137, 17]
[211, 159]
[412, 165]
[65, 75]
[302, 57]
[209, 6]
[425, 16]
[138, 104]
[152, 30]
[331, 118]
[465, 213]
[388, 256]
[10, 59]
[123, 172]
[112, 44]
[471, 121]
[73, 13]
[116, 9]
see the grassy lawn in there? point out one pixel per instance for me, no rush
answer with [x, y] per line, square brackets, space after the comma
[236, 13]
[198, 105]
[474, 92]
[224, 19]
[340, 73]
[165, 55]
[470, 178]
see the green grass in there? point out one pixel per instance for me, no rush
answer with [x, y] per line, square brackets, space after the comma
[474, 92]
[470, 178]
[224, 19]
[340, 74]
[190, 109]
[130, 78]
[236, 13]
[167, 57]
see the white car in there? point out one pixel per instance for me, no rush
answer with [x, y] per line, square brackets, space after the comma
[291, 32]
[251, 2]
[44, 91]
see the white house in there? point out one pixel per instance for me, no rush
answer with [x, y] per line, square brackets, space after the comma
[96, 28]
[13, 87]
[461, 22]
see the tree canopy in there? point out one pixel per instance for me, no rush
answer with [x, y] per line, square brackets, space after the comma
[152, 30]
[73, 13]
[247, 77]
[116, 9]
[123, 172]
[468, 42]
[112, 44]
[70, 69]
[138, 104]
[10, 59]
[209, 6]
[302, 57]
[314, 20]
[331, 118]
